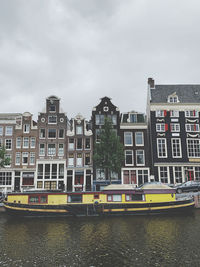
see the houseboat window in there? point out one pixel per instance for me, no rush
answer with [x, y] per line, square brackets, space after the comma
[115, 198]
[133, 197]
[96, 196]
[34, 199]
[43, 199]
[75, 198]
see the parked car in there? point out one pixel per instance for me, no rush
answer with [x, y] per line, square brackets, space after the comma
[188, 186]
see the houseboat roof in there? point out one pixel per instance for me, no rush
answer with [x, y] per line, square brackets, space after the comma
[155, 185]
[119, 187]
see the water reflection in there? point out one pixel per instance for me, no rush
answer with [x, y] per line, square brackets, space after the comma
[118, 241]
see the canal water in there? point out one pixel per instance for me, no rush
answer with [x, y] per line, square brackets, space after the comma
[107, 241]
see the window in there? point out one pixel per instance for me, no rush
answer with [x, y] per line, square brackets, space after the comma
[163, 171]
[161, 148]
[25, 142]
[87, 159]
[143, 176]
[51, 149]
[79, 129]
[8, 156]
[140, 157]
[25, 158]
[32, 158]
[128, 157]
[173, 99]
[39, 185]
[1, 130]
[79, 160]
[99, 119]
[42, 133]
[176, 148]
[128, 139]
[32, 142]
[9, 130]
[1, 142]
[87, 143]
[8, 144]
[33, 199]
[18, 158]
[71, 144]
[100, 174]
[129, 177]
[193, 148]
[52, 119]
[160, 127]
[74, 198]
[192, 127]
[5, 178]
[178, 175]
[175, 127]
[42, 150]
[113, 119]
[160, 113]
[174, 113]
[139, 139]
[26, 128]
[191, 113]
[79, 143]
[134, 197]
[51, 133]
[18, 142]
[52, 108]
[114, 198]
[71, 160]
[60, 149]
[98, 132]
[40, 171]
[197, 173]
[61, 171]
[61, 133]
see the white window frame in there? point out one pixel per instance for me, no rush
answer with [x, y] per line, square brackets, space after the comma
[71, 160]
[175, 144]
[194, 150]
[26, 142]
[33, 142]
[174, 113]
[165, 145]
[140, 164]
[60, 150]
[160, 113]
[130, 136]
[189, 127]
[18, 142]
[159, 173]
[142, 135]
[160, 127]
[9, 131]
[17, 158]
[23, 156]
[173, 99]
[54, 131]
[1, 130]
[79, 129]
[10, 147]
[131, 154]
[50, 117]
[26, 128]
[190, 114]
[41, 150]
[175, 127]
[51, 151]
[177, 180]
[32, 158]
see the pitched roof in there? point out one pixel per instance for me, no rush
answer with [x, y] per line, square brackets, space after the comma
[187, 93]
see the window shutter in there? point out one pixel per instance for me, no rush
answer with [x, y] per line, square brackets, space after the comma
[166, 127]
[194, 113]
[165, 113]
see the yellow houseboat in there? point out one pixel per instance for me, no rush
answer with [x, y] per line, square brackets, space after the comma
[151, 198]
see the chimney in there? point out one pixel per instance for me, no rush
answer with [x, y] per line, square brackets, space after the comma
[151, 83]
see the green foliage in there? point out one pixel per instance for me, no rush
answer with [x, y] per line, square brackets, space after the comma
[3, 160]
[109, 152]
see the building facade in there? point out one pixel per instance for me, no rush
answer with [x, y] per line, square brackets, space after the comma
[52, 146]
[173, 119]
[133, 132]
[104, 109]
[79, 155]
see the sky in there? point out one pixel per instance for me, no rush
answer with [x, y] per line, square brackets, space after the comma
[83, 50]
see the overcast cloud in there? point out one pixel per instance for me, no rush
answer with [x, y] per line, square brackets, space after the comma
[82, 50]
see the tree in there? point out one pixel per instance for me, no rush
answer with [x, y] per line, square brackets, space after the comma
[109, 152]
[3, 159]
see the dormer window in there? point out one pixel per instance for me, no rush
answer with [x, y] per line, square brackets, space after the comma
[52, 108]
[173, 98]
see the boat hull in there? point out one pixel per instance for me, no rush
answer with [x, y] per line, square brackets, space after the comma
[99, 209]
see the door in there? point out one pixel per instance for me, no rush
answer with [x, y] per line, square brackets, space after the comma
[17, 184]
